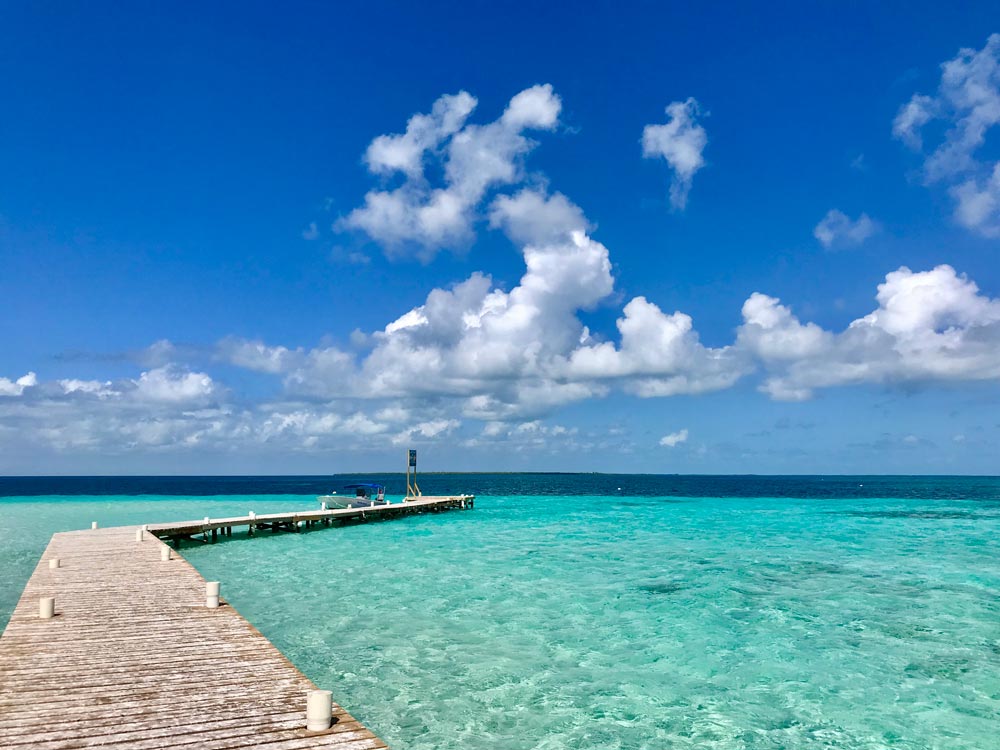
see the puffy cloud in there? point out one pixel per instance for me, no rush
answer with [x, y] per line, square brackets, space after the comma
[836, 229]
[409, 214]
[931, 326]
[505, 355]
[772, 333]
[91, 387]
[430, 429]
[659, 355]
[523, 352]
[474, 158]
[169, 384]
[309, 425]
[322, 372]
[507, 358]
[674, 439]
[537, 107]
[16, 387]
[534, 435]
[531, 217]
[159, 354]
[911, 117]
[497, 347]
[680, 141]
[978, 203]
[171, 409]
[405, 152]
[258, 356]
[173, 385]
[163, 407]
[968, 102]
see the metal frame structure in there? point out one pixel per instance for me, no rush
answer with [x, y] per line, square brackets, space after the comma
[412, 489]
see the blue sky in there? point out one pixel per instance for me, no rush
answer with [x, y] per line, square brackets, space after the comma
[193, 279]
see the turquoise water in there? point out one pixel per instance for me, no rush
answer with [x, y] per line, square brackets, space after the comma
[618, 622]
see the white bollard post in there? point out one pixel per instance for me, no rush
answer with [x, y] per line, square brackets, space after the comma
[54, 563]
[324, 505]
[212, 594]
[140, 535]
[47, 607]
[93, 525]
[165, 553]
[319, 710]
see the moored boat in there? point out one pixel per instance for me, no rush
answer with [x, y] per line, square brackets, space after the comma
[359, 496]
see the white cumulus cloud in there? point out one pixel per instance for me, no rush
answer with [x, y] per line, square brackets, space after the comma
[430, 429]
[967, 102]
[674, 439]
[405, 152]
[16, 387]
[978, 203]
[474, 159]
[171, 384]
[681, 142]
[256, 355]
[931, 326]
[837, 229]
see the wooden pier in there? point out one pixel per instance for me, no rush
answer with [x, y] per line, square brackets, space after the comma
[210, 528]
[134, 659]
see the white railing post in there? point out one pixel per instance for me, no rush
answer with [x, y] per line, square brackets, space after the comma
[319, 710]
[212, 594]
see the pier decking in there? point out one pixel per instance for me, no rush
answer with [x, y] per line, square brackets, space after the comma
[306, 518]
[134, 658]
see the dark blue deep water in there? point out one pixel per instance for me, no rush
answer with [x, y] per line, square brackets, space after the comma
[639, 485]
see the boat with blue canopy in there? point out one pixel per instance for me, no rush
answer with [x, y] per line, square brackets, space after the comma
[362, 495]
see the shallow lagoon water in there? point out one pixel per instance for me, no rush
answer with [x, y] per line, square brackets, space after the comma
[547, 621]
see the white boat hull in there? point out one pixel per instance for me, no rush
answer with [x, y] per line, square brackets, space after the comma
[334, 502]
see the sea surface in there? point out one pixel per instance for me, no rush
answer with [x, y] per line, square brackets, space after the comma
[598, 611]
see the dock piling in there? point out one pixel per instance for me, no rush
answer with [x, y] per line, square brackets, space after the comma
[93, 525]
[165, 553]
[319, 710]
[47, 607]
[212, 594]
[54, 563]
[140, 535]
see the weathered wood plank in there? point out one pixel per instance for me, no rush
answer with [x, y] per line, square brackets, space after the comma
[133, 659]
